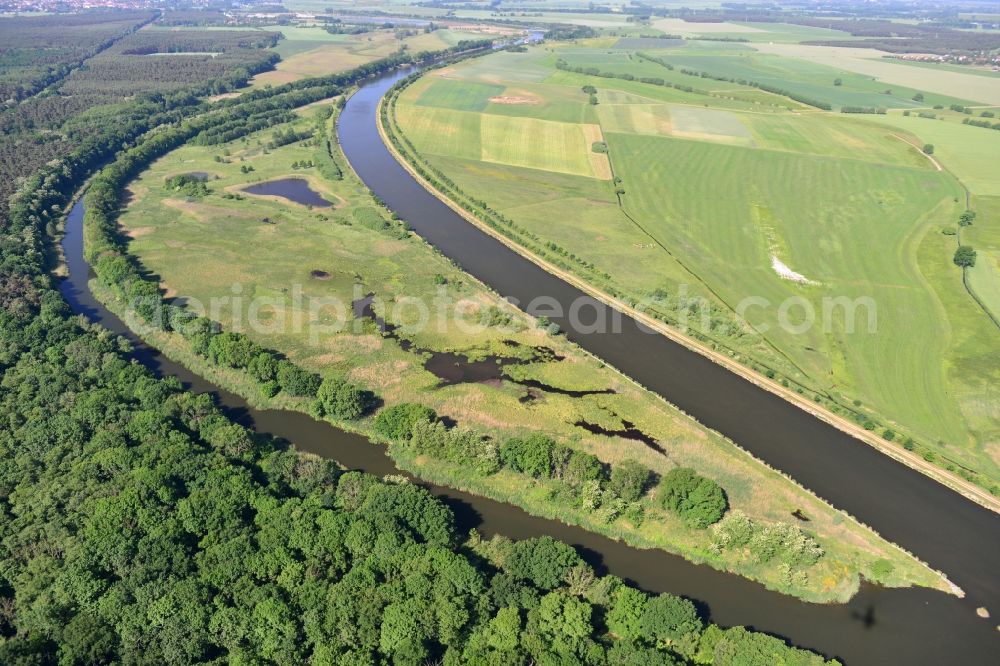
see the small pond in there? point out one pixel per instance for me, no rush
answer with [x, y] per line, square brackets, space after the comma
[293, 189]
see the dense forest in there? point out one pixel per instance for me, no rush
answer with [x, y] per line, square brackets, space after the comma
[169, 59]
[68, 77]
[141, 525]
[38, 51]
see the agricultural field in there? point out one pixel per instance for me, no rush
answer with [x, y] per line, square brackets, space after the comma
[197, 244]
[785, 69]
[308, 50]
[984, 277]
[753, 32]
[980, 85]
[311, 51]
[726, 197]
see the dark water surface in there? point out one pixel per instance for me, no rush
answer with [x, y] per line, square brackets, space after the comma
[878, 626]
[293, 189]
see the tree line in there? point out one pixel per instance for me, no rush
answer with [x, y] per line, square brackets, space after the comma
[766, 87]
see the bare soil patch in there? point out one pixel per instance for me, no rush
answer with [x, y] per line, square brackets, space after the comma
[202, 212]
[515, 100]
[139, 232]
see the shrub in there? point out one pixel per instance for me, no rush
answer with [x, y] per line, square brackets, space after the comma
[697, 500]
[232, 349]
[624, 618]
[396, 422]
[882, 569]
[582, 467]
[629, 480]
[531, 455]
[465, 447]
[544, 561]
[965, 256]
[789, 544]
[339, 399]
[263, 367]
[669, 618]
[296, 381]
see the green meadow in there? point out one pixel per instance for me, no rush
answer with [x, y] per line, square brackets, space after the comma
[753, 32]
[227, 249]
[725, 198]
[813, 80]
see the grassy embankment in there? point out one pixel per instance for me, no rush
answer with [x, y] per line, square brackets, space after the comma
[201, 246]
[837, 198]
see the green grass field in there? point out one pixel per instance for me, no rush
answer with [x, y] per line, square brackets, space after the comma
[954, 81]
[984, 235]
[807, 78]
[754, 32]
[539, 144]
[200, 247]
[729, 202]
[968, 152]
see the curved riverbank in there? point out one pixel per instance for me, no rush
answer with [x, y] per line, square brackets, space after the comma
[909, 458]
[877, 626]
[908, 508]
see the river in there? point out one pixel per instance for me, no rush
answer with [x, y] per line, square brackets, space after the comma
[878, 626]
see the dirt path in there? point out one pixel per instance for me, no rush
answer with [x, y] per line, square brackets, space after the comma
[937, 165]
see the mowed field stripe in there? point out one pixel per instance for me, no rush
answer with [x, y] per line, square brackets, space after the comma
[598, 161]
[538, 144]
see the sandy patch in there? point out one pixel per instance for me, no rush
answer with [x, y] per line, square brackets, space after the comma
[993, 451]
[515, 100]
[217, 98]
[133, 194]
[381, 375]
[168, 292]
[359, 343]
[786, 273]
[328, 359]
[275, 78]
[139, 232]
[202, 212]
[387, 247]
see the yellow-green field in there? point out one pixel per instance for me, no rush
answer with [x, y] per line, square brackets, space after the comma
[201, 247]
[308, 50]
[772, 214]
